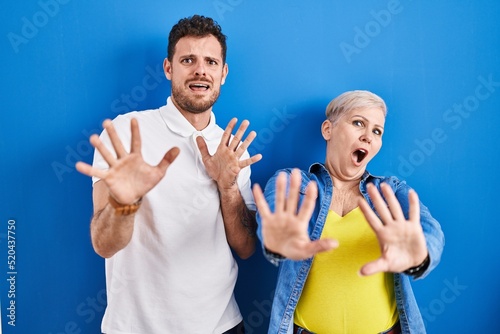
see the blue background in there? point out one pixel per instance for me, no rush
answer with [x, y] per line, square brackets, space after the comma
[68, 65]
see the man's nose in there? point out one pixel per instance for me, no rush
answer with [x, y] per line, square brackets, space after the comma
[200, 69]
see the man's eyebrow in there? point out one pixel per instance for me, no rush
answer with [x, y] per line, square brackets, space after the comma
[187, 56]
[191, 55]
[213, 58]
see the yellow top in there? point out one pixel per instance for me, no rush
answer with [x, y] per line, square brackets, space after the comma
[336, 299]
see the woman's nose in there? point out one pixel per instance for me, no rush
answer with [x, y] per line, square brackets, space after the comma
[366, 137]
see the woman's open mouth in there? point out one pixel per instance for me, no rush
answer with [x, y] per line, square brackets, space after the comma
[359, 155]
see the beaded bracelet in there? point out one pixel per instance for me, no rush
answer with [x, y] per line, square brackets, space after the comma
[420, 269]
[124, 209]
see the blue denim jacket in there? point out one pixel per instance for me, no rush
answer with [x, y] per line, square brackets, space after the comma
[292, 274]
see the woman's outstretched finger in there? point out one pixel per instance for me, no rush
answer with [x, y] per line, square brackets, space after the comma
[392, 202]
[370, 215]
[379, 203]
[261, 202]
[293, 192]
[307, 207]
[280, 192]
[414, 206]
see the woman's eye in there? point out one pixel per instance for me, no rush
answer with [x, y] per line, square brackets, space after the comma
[377, 132]
[357, 123]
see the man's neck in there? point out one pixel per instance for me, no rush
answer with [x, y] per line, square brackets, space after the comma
[198, 120]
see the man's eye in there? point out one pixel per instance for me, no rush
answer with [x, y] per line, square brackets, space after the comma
[212, 62]
[187, 61]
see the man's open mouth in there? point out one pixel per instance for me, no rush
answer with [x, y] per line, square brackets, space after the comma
[199, 86]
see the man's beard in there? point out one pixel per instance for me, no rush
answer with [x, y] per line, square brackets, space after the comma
[190, 103]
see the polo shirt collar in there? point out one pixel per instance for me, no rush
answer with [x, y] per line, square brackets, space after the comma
[179, 125]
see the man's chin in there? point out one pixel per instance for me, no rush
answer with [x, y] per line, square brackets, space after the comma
[195, 104]
[199, 107]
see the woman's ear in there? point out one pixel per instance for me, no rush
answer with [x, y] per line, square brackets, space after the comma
[326, 129]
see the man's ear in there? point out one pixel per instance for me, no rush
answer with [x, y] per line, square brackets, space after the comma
[225, 72]
[326, 129]
[167, 68]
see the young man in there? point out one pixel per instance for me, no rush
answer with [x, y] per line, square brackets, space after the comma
[167, 237]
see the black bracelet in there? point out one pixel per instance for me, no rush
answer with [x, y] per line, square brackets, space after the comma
[275, 255]
[420, 269]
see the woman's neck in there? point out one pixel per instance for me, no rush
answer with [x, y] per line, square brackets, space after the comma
[344, 184]
[346, 195]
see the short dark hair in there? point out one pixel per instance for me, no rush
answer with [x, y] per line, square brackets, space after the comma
[196, 26]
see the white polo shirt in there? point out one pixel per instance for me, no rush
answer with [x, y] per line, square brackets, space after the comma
[177, 274]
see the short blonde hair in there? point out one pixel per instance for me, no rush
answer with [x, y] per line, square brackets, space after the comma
[356, 99]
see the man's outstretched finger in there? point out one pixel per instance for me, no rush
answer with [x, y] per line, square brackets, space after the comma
[102, 149]
[226, 136]
[253, 159]
[238, 136]
[88, 170]
[244, 145]
[168, 158]
[135, 146]
[115, 140]
[202, 146]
